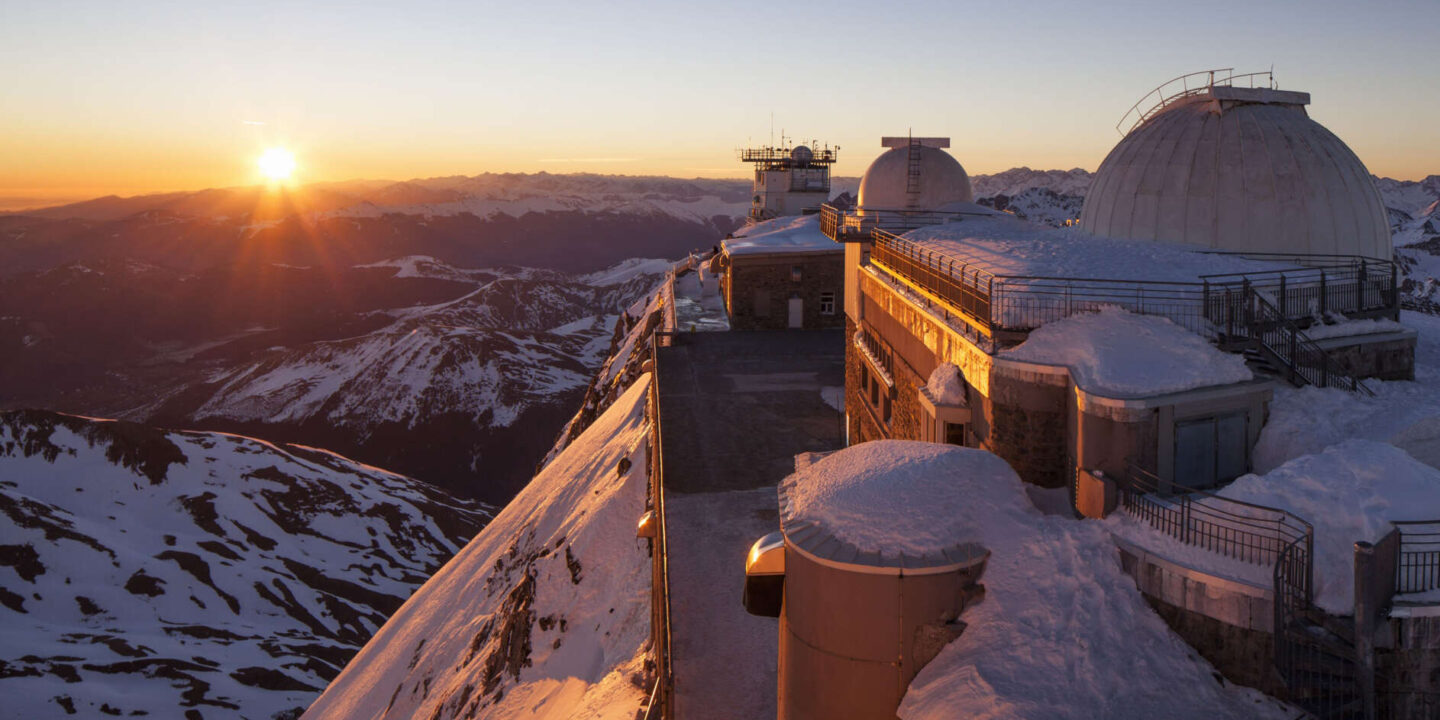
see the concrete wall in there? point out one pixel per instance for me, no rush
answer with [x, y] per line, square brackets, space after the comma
[1229, 623]
[758, 289]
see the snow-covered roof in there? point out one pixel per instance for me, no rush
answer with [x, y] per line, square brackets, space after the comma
[889, 504]
[1010, 246]
[1117, 353]
[782, 235]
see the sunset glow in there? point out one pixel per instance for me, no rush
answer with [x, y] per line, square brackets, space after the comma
[276, 164]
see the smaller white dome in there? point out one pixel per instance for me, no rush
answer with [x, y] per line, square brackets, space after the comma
[942, 181]
[802, 154]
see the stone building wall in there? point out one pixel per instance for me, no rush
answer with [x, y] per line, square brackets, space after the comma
[758, 289]
[1389, 359]
[1028, 428]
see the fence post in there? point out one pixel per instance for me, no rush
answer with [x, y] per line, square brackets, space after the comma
[1365, 625]
[1284, 299]
[1248, 302]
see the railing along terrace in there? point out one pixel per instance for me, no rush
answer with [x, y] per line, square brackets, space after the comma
[1021, 304]
[840, 225]
[661, 706]
[1316, 285]
[1179, 88]
[821, 156]
[963, 286]
[1230, 528]
[1417, 568]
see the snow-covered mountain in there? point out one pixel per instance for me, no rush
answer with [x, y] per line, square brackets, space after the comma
[457, 376]
[193, 574]
[544, 614]
[1015, 181]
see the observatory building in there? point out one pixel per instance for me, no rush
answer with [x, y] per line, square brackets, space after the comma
[1229, 244]
[788, 180]
[1236, 168]
[780, 271]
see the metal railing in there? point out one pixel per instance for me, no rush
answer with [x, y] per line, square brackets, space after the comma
[842, 226]
[1318, 668]
[1230, 528]
[1301, 357]
[662, 704]
[1179, 88]
[964, 287]
[770, 154]
[1417, 568]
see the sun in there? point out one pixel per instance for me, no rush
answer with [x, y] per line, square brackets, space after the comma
[276, 164]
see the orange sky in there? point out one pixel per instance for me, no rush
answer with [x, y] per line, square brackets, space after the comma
[153, 96]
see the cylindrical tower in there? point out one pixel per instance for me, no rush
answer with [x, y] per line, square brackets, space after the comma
[879, 565]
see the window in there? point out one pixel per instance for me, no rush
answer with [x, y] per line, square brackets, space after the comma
[874, 392]
[886, 412]
[827, 303]
[795, 273]
[954, 433]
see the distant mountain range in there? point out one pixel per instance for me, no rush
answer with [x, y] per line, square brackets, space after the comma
[190, 574]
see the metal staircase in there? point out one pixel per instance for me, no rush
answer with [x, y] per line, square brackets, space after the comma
[1277, 343]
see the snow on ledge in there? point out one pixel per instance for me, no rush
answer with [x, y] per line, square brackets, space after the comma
[1118, 353]
[782, 235]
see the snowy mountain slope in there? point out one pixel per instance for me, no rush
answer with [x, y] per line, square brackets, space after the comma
[196, 574]
[544, 614]
[471, 380]
[1015, 181]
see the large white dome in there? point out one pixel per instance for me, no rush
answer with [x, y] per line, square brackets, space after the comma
[886, 183]
[1239, 169]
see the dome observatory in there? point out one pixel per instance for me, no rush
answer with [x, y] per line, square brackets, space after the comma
[1235, 168]
[914, 174]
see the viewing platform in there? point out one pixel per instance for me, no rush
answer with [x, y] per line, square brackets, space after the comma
[734, 410]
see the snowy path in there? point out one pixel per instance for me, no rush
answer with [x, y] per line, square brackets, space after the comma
[735, 409]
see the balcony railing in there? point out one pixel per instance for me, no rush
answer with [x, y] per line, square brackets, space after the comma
[1417, 569]
[1228, 528]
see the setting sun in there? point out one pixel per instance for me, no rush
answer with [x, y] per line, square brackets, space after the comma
[277, 163]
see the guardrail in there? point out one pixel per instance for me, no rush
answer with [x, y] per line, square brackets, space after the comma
[662, 694]
[822, 156]
[1417, 568]
[1230, 528]
[1185, 86]
[842, 226]
[965, 287]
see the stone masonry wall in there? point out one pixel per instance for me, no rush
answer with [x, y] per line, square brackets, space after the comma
[759, 288]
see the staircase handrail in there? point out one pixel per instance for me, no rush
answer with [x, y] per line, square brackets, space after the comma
[1285, 340]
